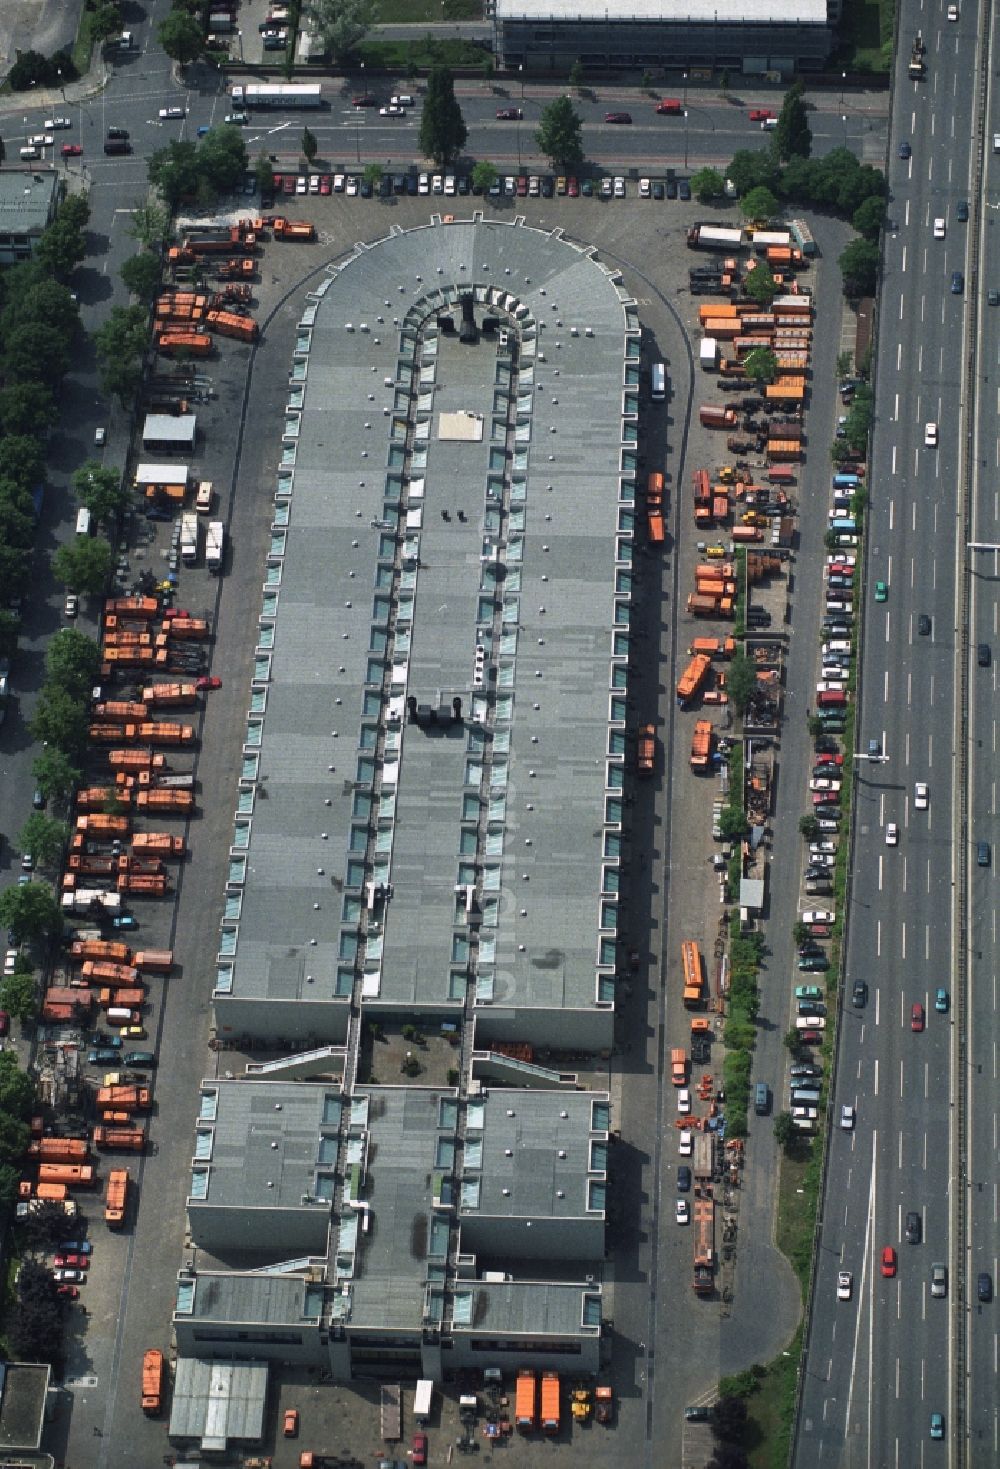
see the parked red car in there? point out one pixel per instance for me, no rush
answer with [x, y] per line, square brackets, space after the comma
[761, 114]
[72, 1261]
[418, 1452]
[208, 681]
[509, 114]
[71, 150]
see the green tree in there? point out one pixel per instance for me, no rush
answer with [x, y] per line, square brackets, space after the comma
[646, 80]
[753, 168]
[141, 275]
[105, 22]
[859, 268]
[483, 175]
[222, 158]
[340, 24]
[845, 364]
[17, 527]
[16, 1087]
[27, 408]
[793, 135]
[32, 912]
[576, 75]
[741, 680]
[181, 37]
[15, 569]
[809, 828]
[61, 249]
[102, 491]
[10, 627]
[759, 203]
[265, 174]
[792, 1042]
[310, 147]
[761, 365]
[729, 1414]
[442, 127]
[83, 565]
[869, 217]
[55, 774]
[72, 662]
[760, 284]
[559, 135]
[19, 995]
[732, 823]
[150, 225]
[174, 170]
[708, 184]
[42, 301]
[373, 173]
[22, 460]
[63, 722]
[120, 344]
[35, 354]
[14, 1138]
[75, 210]
[800, 930]
[44, 838]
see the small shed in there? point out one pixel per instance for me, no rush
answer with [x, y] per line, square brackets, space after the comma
[167, 433]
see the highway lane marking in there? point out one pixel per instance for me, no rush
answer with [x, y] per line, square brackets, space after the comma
[899, 356]
[878, 954]
[892, 512]
[894, 459]
[876, 1073]
[903, 949]
[904, 874]
[867, 1244]
[895, 409]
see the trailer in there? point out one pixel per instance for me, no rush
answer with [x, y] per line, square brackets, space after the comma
[215, 545]
[391, 1412]
[250, 95]
[712, 237]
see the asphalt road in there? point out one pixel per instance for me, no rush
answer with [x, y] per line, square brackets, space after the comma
[980, 1326]
[878, 1366]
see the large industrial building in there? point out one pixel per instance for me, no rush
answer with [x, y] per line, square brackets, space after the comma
[420, 926]
[751, 37]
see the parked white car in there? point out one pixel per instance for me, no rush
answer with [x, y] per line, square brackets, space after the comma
[921, 796]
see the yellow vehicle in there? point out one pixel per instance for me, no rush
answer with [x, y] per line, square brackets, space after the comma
[715, 552]
[727, 474]
[580, 1404]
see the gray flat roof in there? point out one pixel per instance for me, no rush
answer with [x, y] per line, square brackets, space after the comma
[534, 1153]
[724, 12]
[26, 199]
[261, 1143]
[537, 775]
[22, 1405]
[250, 1298]
[393, 1255]
[525, 1308]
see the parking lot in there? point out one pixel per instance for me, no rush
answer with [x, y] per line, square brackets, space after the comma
[130, 1295]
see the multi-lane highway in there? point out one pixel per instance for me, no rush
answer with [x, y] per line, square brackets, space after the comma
[880, 1364]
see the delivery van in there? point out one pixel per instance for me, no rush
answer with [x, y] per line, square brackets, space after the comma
[832, 699]
[83, 521]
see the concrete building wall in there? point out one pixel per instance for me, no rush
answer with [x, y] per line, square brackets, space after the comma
[230, 1230]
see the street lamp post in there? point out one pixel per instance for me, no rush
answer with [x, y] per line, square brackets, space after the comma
[843, 84]
[239, 37]
[685, 102]
[843, 119]
[521, 70]
[685, 138]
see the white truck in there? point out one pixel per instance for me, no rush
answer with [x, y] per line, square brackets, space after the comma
[215, 546]
[189, 537]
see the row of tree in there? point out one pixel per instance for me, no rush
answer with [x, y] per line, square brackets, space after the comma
[39, 324]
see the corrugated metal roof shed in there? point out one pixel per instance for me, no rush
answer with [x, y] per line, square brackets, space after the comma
[169, 428]
[218, 1402]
